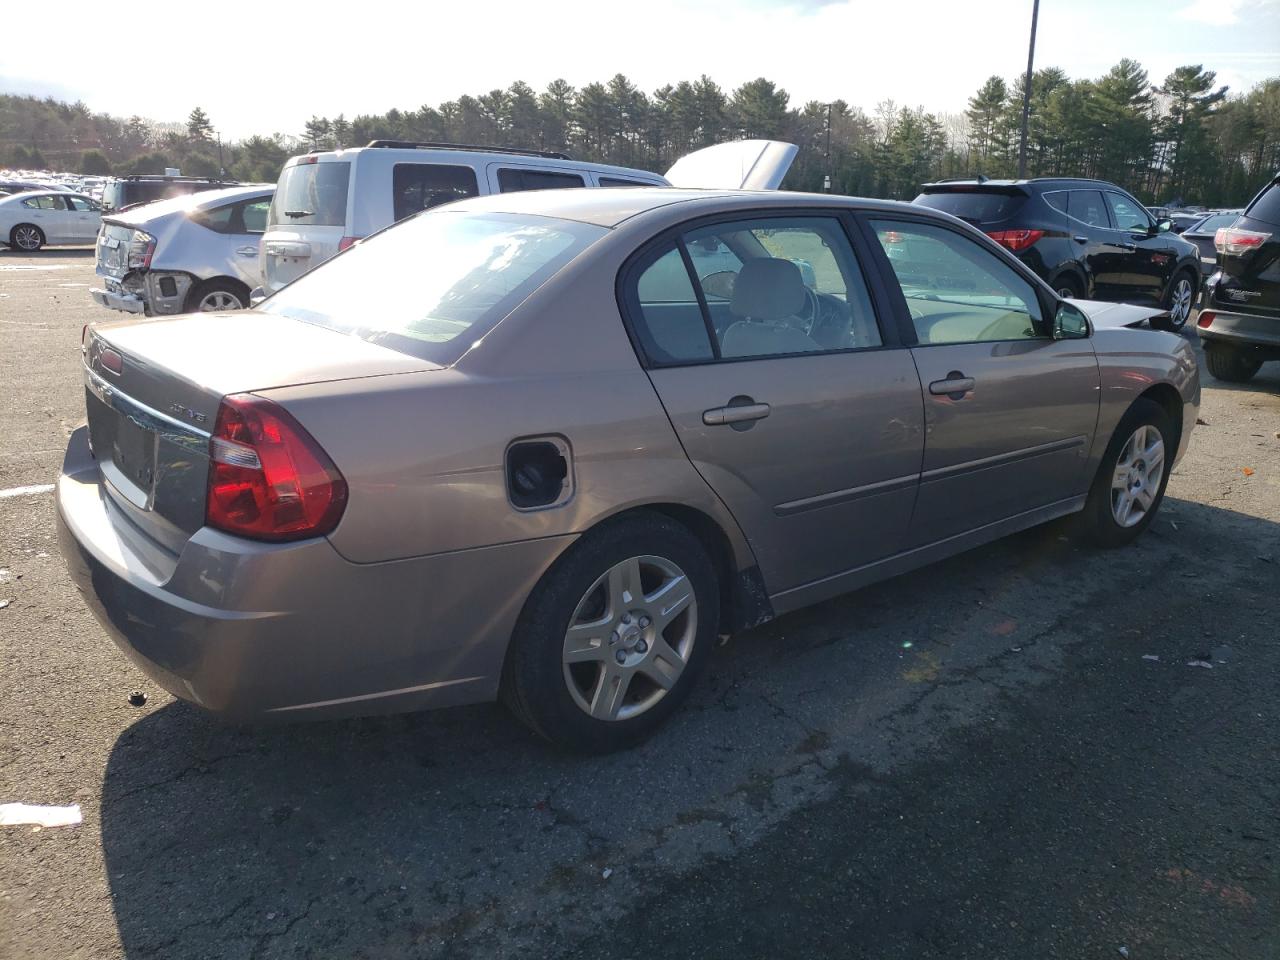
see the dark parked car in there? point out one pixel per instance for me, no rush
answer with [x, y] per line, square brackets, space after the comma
[1184, 220]
[1085, 238]
[1202, 232]
[131, 191]
[1240, 319]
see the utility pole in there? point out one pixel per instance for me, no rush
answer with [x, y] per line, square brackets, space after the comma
[222, 171]
[1026, 92]
[826, 180]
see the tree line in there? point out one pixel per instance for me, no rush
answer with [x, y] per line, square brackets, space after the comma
[1185, 139]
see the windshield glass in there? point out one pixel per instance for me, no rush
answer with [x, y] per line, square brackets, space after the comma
[311, 194]
[433, 285]
[974, 206]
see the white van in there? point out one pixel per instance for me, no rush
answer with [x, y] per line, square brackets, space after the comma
[326, 201]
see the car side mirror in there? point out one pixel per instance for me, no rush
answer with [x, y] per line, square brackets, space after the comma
[1070, 323]
[1163, 226]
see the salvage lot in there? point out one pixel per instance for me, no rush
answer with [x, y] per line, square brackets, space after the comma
[974, 759]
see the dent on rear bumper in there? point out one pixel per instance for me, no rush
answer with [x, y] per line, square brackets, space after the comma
[249, 629]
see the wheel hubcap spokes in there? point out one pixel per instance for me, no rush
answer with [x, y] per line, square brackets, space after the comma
[28, 239]
[630, 637]
[1181, 302]
[1138, 473]
[219, 300]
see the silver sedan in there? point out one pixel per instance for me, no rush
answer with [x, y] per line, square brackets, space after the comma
[546, 446]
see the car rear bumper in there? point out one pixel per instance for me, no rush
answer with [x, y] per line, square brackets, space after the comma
[255, 630]
[127, 302]
[1245, 329]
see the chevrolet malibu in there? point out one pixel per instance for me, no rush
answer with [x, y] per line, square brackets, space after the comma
[542, 447]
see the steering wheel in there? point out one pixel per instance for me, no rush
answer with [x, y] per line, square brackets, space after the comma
[825, 317]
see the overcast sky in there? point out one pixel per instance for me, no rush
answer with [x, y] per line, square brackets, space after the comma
[260, 67]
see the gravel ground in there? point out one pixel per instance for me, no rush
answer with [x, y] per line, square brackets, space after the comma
[1004, 755]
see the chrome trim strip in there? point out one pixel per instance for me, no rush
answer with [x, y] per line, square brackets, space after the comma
[1026, 453]
[374, 696]
[792, 507]
[141, 414]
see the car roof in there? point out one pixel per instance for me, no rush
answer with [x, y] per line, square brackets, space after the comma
[478, 157]
[1031, 182]
[610, 206]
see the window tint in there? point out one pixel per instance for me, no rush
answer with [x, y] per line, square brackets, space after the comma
[671, 327]
[1128, 214]
[616, 182]
[219, 219]
[1266, 205]
[420, 186]
[312, 194]
[972, 205]
[32, 204]
[957, 291]
[254, 216]
[511, 179]
[81, 204]
[1057, 199]
[1087, 207]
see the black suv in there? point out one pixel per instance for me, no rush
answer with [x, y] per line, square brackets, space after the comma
[1240, 319]
[132, 191]
[1085, 238]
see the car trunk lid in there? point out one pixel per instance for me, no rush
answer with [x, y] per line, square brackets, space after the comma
[1249, 256]
[307, 220]
[113, 249]
[977, 202]
[152, 390]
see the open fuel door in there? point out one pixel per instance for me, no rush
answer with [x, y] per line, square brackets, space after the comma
[738, 165]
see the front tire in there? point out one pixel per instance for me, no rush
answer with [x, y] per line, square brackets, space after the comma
[1230, 363]
[1068, 287]
[26, 237]
[612, 640]
[1130, 483]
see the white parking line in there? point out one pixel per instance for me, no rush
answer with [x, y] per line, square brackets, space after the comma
[31, 491]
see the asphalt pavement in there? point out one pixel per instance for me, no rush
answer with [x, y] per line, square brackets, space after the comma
[1033, 750]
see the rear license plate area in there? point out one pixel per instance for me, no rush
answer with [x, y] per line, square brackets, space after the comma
[124, 449]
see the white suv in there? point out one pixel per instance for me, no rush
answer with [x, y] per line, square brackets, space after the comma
[327, 201]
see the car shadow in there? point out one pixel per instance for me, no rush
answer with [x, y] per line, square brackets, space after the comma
[391, 836]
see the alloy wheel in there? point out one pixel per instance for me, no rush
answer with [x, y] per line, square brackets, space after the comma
[1180, 307]
[629, 638]
[1136, 481]
[218, 300]
[27, 238]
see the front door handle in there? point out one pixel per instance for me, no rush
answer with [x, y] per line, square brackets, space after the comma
[1080, 239]
[1127, 246]
[248, 251]
[743, 414]
[955, 386]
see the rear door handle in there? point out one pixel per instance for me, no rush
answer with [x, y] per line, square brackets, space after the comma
[247, 251]
[1080, 239]
[1127, 246]
[722, 415]
[955, 386]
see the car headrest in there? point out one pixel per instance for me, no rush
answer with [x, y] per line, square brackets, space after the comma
[767, 289]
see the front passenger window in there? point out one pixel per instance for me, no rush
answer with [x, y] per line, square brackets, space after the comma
[1127, 214]
[957, 291]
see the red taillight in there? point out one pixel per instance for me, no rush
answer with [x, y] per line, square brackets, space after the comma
[268, 479]
[1206, 318]
[1233, 242]
[347, 242]
[1016, 240]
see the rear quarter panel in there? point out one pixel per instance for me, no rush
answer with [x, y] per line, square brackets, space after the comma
[423, 454]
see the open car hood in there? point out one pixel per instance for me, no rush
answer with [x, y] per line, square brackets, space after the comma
[737, 165]
[1110, 316]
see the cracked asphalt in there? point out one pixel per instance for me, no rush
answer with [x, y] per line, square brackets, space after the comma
[1008, 754]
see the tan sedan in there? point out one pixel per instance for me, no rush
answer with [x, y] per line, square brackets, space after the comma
[547, 445]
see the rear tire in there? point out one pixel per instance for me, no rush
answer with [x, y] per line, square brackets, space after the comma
[1068, 287]
[1230, 363]
[582, 631]
[1179, 302]
[1126, 491]
[26, 237]
[214, 296]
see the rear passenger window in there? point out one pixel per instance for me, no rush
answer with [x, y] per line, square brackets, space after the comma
[421, 186]
[1057, 200]
[672, 330]
[1087, 207]
[219, 219]
[511, 179]
[255, 216]
[615, 182]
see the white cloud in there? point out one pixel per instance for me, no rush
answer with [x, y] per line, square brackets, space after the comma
[1213, 12]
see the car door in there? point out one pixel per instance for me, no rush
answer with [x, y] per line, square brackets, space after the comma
[1009, 411]
[86, 217]
[795, 406]
[1145, 258]
[1091, 233]
[249, 222]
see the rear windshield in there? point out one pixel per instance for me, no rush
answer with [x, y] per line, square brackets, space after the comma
[311, 194]
[1214, 223]
[1266, 205]
[973, 205]
[433, 285]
